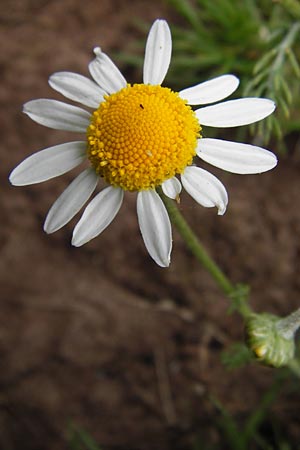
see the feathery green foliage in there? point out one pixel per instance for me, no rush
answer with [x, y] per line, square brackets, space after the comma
[257, 40]
[254, 39]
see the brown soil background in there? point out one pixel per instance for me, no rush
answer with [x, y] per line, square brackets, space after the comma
[99, 336]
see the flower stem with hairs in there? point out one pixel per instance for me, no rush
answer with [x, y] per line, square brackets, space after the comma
[236, 294]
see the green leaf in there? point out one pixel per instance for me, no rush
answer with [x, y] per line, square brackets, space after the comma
[238, 355]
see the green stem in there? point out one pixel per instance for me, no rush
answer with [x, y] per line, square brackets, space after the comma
[236, 293]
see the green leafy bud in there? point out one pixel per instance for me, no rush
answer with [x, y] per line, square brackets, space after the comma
[271, 343]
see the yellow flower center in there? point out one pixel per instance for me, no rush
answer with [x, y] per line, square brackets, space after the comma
[141, 136]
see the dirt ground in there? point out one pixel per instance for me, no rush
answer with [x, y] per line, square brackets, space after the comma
[100, 337]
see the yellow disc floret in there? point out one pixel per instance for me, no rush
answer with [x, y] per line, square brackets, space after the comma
[141, 136]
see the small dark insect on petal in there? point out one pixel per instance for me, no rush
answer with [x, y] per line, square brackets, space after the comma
[141, 106]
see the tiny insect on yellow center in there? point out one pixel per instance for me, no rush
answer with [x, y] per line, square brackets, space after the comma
[141, 136]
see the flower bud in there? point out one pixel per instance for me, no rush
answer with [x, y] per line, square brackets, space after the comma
[269, 343]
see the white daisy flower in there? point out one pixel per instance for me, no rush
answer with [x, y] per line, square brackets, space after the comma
[140, 137]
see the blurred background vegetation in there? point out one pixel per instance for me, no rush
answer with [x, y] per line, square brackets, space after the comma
[257, 40]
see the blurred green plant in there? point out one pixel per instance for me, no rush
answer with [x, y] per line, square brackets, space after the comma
[81, 440]
[260, 429]
[257, 40]
[238, 355]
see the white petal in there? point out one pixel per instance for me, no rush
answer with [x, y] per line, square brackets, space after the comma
[158, 53]
[77, 88]
[210, 91]
[205, 188]
[98, 215]
[155, 226]
[235, 156]
[172, 187]
[57, 115]
[48, 163]
[71, 200]
[234, 113]
[106, 73]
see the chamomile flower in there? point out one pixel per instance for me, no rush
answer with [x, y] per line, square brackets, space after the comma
[137, 138]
